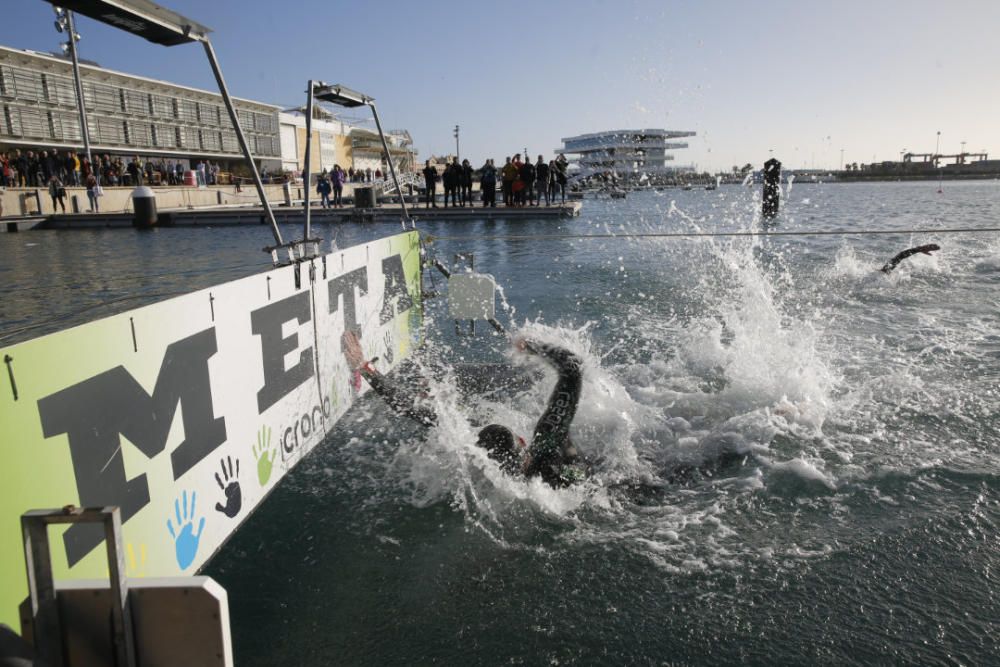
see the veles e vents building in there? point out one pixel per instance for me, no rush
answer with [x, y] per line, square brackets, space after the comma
[126, 114]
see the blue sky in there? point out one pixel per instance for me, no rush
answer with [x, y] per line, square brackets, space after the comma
[805, 79]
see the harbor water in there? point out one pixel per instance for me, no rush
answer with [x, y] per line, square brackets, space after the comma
[798, 457]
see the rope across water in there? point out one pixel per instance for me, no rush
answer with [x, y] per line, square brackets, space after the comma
[429, 238]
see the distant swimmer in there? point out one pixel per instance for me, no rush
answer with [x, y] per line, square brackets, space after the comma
[925, 249]
[550, 456]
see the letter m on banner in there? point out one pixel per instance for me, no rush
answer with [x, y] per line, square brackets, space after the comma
[94, 414]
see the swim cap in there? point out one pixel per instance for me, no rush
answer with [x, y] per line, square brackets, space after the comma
[499, 444]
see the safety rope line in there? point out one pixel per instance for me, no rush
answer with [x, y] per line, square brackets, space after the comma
[840, 232]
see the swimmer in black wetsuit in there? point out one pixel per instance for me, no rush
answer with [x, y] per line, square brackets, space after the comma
[551, 455]
[925, 249]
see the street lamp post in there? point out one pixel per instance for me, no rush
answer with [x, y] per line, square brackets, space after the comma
[64, 23]
[842, 159]
[937, 161]
[456, 144]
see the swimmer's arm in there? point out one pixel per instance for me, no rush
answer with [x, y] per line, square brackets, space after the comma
[552, 431]
[925, 249]
[401, 400]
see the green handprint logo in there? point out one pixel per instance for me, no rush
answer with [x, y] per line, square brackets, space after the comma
[261, 451]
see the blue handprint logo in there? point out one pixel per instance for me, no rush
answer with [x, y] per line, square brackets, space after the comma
[186, 541]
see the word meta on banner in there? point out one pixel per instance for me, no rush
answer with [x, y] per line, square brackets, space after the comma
[186, 413]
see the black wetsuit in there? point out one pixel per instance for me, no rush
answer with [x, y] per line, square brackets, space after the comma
[552, 455]
[892, 263]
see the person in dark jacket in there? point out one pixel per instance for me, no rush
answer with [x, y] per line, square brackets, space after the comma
[452, 177]
[528, 176]
[466, 182]
[337, 177]
[58, 193]
[551, 454]
[488, 184]
[430, 184]
[324, 188]
[542, 181]
[20, 162]
[47, 165]
[561, 176]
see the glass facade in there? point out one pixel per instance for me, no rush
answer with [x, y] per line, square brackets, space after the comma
[124, 113]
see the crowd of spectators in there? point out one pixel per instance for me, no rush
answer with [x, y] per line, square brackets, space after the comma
[366, 175]
[521, 183]
[36, 169]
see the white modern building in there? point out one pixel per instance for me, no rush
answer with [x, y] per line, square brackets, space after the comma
[625, 152]
[126, 114]
[133, 115]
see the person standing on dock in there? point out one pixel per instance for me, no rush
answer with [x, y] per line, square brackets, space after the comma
[488, 184]
[58, 193]
[430, 184]
[542, 181]
[508, 174]
[528, 176]
[466, 182]
[323, 189]
[337, 178]
[517, 187]
[23, 162]
[92, 193]
[562, 164]
[450, 178]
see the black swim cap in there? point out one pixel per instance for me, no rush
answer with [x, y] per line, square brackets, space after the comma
[500, 444]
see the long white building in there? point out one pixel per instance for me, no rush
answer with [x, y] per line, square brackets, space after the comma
[133, 115]
[625, 152]
[126, 114]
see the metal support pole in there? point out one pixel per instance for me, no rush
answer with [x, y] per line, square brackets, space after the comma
[392, 167]
[307, 173]
[79, 94]
[46, 630]
[210, 52]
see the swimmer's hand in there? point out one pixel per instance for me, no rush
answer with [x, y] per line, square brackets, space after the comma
[351, 347]
[525, 344]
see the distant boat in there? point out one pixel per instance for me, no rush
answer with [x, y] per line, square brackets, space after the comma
[686, 187]
[710, 186]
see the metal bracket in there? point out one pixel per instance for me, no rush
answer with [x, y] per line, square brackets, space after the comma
[46, 630]
[465, 260]
[298, 251]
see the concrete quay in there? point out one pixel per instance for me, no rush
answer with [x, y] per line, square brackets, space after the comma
[27, 209]
[243, 215]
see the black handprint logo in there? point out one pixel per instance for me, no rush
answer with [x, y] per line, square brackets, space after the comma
[231, 486]
[387, 339]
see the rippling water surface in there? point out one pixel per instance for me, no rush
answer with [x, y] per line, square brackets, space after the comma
[798, 454]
